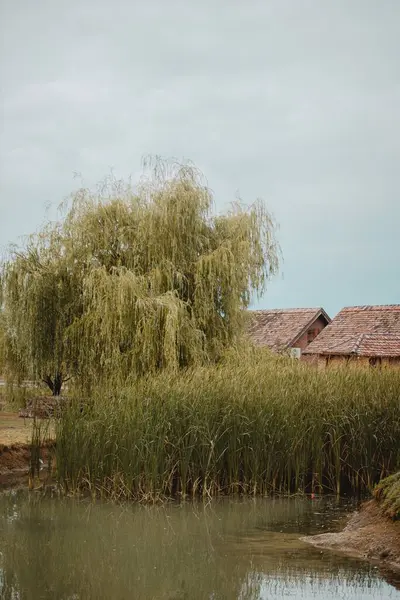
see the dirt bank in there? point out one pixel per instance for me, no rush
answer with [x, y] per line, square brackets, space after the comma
[15, 451]
[14, 430]
[15, 460]
[368, 534]
[18, 430]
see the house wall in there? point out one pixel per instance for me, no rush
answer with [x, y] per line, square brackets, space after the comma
[322, 362]
[333, 362]
[311, 359]
[393, 362]
[386, 363]
[318, 325]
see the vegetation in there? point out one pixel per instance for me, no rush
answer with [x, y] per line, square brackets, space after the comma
[132, 281]
[387, 492]
[139, 296]
[254, 424]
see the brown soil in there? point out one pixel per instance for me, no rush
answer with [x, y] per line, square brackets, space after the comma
[14, 429]
[15, 452]
[15, 464]
[368, 534]
[18, 430]
[14, 458]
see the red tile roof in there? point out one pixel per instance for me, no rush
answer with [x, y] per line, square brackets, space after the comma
[379, 344]
[280, 328]
[361, 330]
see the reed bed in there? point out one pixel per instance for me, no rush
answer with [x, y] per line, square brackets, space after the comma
[253, 424]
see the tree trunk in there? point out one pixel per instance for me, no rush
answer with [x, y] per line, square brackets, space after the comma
[54, 384]
[57, 384]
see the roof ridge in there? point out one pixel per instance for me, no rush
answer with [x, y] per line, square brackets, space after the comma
[367, 307]
[316, 314]
[337, 344]
[381, 334]
[357, 345]
[280, 310]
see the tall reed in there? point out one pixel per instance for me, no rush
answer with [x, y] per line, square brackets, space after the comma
[254, 424]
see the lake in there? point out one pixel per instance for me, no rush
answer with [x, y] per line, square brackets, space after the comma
[69, 549]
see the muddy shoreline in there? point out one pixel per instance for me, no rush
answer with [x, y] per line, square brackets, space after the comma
[369, 534]
[15, 461]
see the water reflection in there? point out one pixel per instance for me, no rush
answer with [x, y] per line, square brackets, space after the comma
[71, 550]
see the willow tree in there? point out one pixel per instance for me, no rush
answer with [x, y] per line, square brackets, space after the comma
[40, 298]
[135, 280]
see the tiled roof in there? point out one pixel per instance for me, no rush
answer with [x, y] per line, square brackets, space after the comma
[280, 328]
[379, 344]
[361, 330]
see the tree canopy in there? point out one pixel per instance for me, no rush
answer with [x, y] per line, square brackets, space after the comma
[133, 280]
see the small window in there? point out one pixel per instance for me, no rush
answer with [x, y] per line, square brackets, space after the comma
[311, 335]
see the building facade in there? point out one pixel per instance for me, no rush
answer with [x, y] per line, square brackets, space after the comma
[290, 329]
[366, 336]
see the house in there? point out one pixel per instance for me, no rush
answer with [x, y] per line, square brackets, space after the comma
[362, 335]
[287, 329]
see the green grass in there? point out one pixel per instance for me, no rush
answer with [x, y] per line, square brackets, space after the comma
[387, 492]
[255, 424]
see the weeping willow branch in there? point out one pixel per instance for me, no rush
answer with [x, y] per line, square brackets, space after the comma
[134, 280]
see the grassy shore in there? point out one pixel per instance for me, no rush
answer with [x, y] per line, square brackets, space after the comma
[387, 493]
[253, 424]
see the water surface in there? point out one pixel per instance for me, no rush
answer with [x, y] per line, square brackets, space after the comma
[64, 549]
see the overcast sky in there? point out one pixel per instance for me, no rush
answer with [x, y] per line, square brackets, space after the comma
[296, 101]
